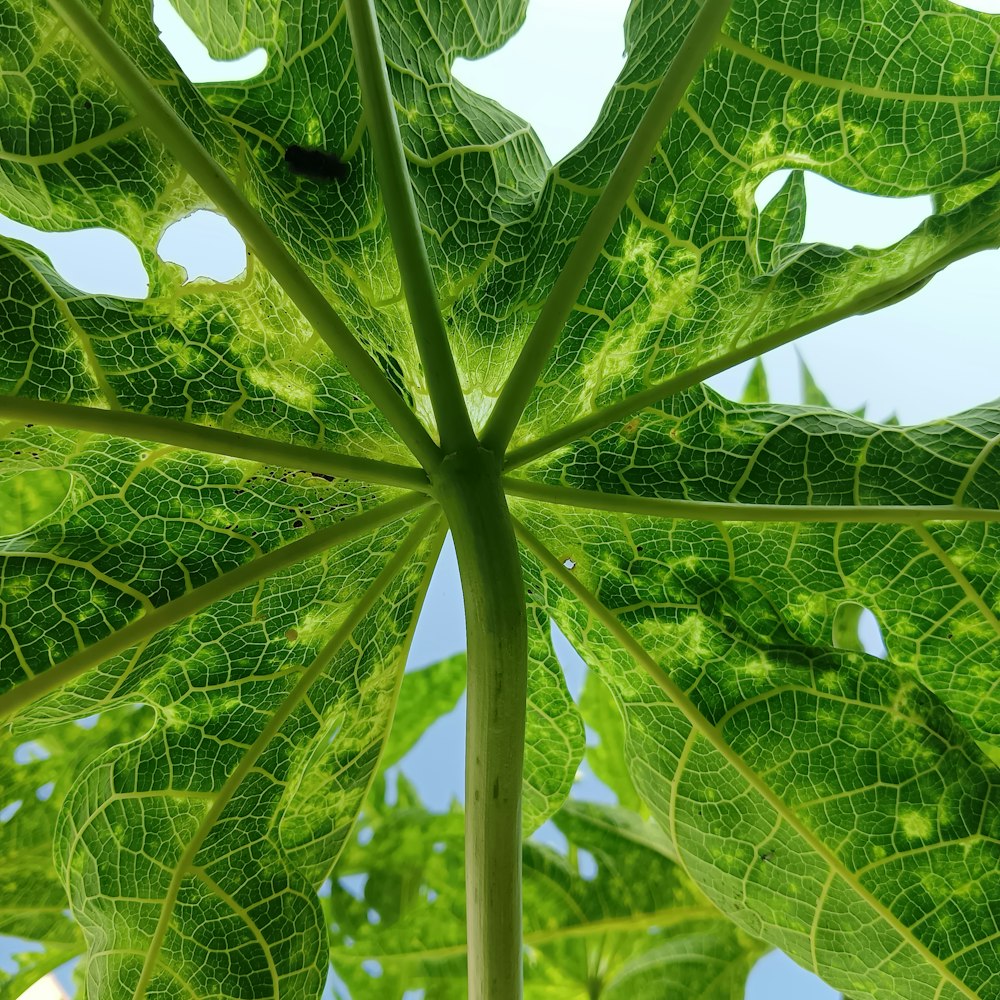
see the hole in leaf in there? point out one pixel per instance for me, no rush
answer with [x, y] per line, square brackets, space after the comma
[192, 54]
[870, 633]
[414, 995]
[392, 786]
[325, 890]
[586, 865]
[365, 835]
[88, 721]
[206, 245]
[856, 628]
[845, 218]
[30, 497]
[984, 6]
[44, 792]
[96, 261]
[557, 70]
[891, 362]
[439, 847]
[574, 669]
[569, 563]
[440, 630]
[11, 948]
[550, 835]
[374, 917]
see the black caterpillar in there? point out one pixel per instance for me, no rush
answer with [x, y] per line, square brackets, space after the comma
[316, 164]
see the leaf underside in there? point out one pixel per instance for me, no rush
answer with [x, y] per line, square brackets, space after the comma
[205, 514]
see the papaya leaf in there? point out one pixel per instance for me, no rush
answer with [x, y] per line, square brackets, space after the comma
[222, 502]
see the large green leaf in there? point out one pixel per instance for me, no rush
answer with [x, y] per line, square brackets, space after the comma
[207, 508]
[812, 793]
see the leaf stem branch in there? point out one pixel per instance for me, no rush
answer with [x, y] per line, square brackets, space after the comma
[454, 425]
[699, 510]
[213, 440]
[157, 115]
[411, 543]
[147, 625]
[634, 160]
[468, 488]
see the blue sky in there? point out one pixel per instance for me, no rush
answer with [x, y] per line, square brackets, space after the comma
[930, 356]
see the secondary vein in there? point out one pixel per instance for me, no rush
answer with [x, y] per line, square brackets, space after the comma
[147, 625]
[214, 440]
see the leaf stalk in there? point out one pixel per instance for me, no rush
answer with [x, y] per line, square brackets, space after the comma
[469, 490]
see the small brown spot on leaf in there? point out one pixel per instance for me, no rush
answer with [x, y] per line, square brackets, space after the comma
[291, 635]
[630, 429]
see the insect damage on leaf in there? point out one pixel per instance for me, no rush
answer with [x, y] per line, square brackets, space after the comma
[316, 164]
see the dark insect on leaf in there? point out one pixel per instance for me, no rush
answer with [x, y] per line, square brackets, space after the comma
[316, 164]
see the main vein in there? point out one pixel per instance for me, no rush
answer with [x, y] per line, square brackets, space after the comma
[700, 510]
[148, 625]
[712, 735]
[454, 426]
[181, 142]
[214, 440]
[413, 540]
[555, 312]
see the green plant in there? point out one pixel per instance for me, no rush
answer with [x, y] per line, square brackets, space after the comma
[222, 502]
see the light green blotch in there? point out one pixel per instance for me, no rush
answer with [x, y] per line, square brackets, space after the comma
[184, 356]
[916, 825]
[763, 146]
[289, 387]
[668, 285]
[807, 607]
[317, 626]
[29, 498]
[758, 668]
[313, 131]
[976, 120]
[832, 27]
[962, 556]
[735, 430]
[15, 589]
